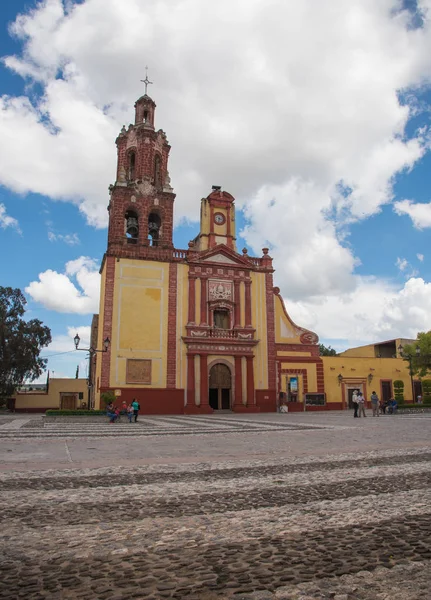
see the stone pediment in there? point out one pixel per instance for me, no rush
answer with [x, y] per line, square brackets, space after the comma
[220, 258]
[222, 255]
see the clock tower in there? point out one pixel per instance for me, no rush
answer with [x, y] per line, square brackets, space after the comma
[217, 221]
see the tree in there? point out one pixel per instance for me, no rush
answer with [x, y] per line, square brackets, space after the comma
[20, 342]
[418, 354]
[326, 351]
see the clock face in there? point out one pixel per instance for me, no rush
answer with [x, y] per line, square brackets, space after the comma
[219, 218]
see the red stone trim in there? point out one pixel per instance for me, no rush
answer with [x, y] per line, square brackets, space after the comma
[238, 381]
[204, 301]
[190, 380]
[320, 377]
[171, 376]
[299, 359]
[108, 308]
[314, 350]
[192, 300]
[270, 324]
[251, 399]
[204, 381]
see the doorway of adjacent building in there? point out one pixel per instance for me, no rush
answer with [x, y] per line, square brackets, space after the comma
[386, 391]
[418, 390]
[68, 401]
[220, 387]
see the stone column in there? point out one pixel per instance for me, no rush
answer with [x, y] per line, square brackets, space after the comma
[204, 381]
[250, 381]
[192, 300]
[238, 381]
[204, 303]
[191, 380]
[237, 299]
[248, 303]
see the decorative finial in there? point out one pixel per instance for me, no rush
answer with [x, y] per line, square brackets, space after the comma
[146, 81]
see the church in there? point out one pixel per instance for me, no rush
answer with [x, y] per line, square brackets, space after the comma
[192, 330]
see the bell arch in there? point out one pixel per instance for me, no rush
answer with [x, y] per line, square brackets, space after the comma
[131, 226]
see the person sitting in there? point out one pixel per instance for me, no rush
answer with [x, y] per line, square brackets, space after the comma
[110, 411]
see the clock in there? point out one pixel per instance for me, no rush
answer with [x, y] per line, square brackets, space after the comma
[219, 218]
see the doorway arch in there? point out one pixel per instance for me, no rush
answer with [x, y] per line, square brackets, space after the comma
[220, 387]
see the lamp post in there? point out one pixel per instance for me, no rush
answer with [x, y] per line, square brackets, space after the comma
[409, 357]
[91, 352]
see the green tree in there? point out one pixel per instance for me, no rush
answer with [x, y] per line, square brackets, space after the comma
[418, 354]
[20, 342]
[326, 351]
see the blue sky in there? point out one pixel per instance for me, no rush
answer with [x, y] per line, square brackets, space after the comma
[282, 108]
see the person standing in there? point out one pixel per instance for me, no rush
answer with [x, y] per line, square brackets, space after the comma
[136, 407]
[375, 404]
[355, 403]
[361, 403]
[130, 413]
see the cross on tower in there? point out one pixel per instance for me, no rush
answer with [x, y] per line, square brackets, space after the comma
[146, 80]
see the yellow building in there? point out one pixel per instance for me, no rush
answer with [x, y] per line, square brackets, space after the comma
[198, 329]
[191, 330]
[58, 393]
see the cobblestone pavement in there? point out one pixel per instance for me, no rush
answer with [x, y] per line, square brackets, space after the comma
[351, 525]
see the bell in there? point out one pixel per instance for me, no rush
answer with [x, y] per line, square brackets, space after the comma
[132, 227]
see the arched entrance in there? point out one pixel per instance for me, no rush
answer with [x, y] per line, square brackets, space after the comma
[220, 387]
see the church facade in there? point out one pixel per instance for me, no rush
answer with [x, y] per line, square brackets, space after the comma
[195, 330]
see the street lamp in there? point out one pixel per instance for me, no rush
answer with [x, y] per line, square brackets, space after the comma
[91, 351]
[409, 357]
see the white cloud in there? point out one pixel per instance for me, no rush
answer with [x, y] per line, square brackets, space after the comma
[298, 98]
[420, 213]
[295, 110]
[59, 292]
[71, 239]
[375, 310]
[420, 257]
[7, 221]
[402, 263]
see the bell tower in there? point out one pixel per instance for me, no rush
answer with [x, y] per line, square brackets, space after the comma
[142, 199]
[217, 220]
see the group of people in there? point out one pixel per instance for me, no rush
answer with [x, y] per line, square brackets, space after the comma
[378, 406]
[130, 410]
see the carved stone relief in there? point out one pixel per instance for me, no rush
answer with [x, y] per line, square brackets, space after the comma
[138, 370]
[220, 290]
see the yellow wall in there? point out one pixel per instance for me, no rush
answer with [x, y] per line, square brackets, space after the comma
[182, 316]
[258, 314]
[52, 398]
[140, 318]
[356, 370]
[360, 351]
[286, 332]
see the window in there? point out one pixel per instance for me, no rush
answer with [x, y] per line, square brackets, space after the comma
[157, 173]
[132, 160]
[221, 319]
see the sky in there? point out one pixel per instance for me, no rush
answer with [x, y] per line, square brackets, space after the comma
[315, 116]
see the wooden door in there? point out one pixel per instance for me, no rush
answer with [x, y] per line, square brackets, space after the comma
[386, 391]
[220, 384]
[68, 401]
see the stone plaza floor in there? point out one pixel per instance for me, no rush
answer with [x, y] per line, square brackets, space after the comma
[274, 506]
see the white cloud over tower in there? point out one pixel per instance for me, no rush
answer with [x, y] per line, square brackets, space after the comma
[294, 107]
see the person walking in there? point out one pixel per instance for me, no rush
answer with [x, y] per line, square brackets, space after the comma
[361, 403]
[355, 403]
[375, 404]
[136, 407]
